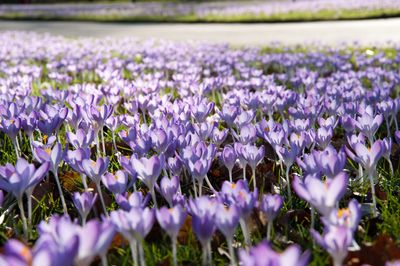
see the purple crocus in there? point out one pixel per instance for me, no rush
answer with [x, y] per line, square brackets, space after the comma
[331, 162]
[262, 254]
[55, 157]
[239, 195]
[368, 158]
[148, 170]
[368, 124]
[168, 188]
[94, 170]
[336, 240]
[84, 203]
[134, 226]
[82, 138]
[22, 179]
[229, 157]
[11, 127]
[116, 183]
[324, 136]
[203, 210]
[270, 206]
[322, 195]
[171, 220]
[253, 156]
[134, 200]
[227, 219]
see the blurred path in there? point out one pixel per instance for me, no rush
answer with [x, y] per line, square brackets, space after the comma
[330, 32]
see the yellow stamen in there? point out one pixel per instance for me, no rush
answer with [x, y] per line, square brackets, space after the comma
[48, 150]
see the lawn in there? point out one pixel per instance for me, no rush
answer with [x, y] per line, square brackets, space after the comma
[206, 12]
[118, 151]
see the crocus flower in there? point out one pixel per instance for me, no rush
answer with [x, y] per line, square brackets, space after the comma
[148, 170]
[270, 206]
[322, 195]
[22, 179]
[368, 124]
[81, 243]
[198, 159]
[116, 183]
[228, 114]
[11, 127]
[368, 158]
[134, 200]
[262, 254]
[336, 240]
[239, 195]
[168, 188]
[253, 156]
[82, 138]
[324, 136]
[248, 134]
[94, 170]
[84, 203]
[134, 226]
[227, 219]
[203, 211]
[171, 220]
[349, 216]
[331, 162]
[228, 157]
[160, 140]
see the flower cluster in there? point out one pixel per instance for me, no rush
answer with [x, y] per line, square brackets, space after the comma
[159, 136]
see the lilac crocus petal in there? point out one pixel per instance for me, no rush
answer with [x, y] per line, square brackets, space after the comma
[239, 194]
[84, 202]
[135, 224]
[54, 155]
[331, 162]
[323, 136]
[116, 183]
[293, 256]
[248, 134]
[253, 155]
[369, 157]
[270, 205]
[82, 138]
[262, 254]
[95, 169]
[171, 220]
[168, 188]
[75, 158]
[17, 252]
[336, 241]
[203, 210]
[24, 176]
[159, 140]
[227, 219]
[134, 200]
[397, 137]
[349, 217]
[149, 169]
[322, 195]
[229, 157]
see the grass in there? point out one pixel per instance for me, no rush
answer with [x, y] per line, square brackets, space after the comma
[298, 16]
[157, 246]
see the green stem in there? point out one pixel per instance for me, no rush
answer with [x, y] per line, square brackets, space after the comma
[60, 191]
[269, 229]
[102, 199]
[133, 246]
[174, 257]
[22, 211]
[231, 252]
